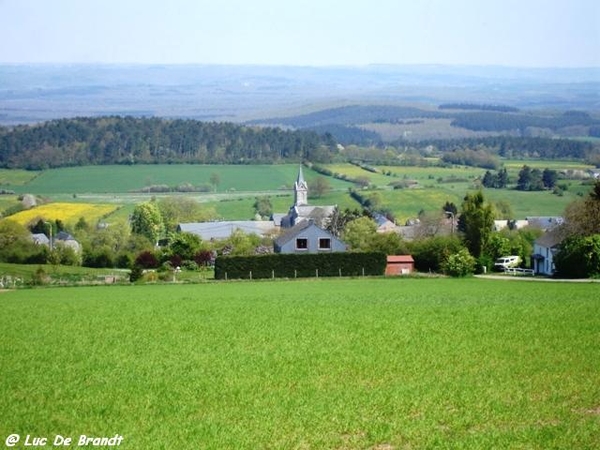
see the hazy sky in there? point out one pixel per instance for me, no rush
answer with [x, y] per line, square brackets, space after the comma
[528, 33]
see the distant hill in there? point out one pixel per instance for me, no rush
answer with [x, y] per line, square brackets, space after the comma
[37, 93]
[128, 140]
[353, 115]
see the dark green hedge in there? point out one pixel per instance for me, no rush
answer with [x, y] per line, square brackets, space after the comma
[300, 266]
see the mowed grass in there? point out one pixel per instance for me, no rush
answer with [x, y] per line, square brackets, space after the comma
[123, 179]
[326, 364]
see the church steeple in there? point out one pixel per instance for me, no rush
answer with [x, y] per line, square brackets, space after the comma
[300, 190]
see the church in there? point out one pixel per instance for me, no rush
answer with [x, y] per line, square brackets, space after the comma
[301, 211]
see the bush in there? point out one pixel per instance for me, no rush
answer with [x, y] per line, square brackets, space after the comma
[430, 254]
[147, 260]
[136, 273]
[190, 265]
[579, 257]
[459, 264]
[99, 257]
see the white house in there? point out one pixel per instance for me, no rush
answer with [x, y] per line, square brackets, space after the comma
[544, 249]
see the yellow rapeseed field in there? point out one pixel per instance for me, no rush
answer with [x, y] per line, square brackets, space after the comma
[69, 213]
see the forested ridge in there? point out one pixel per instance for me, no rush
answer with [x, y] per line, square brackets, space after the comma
[129, 140]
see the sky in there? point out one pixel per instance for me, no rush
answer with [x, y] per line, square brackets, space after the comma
[519, 33]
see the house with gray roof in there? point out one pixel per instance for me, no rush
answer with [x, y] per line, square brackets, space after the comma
[40, 239]
[544, 250]
[307, 237]
[209, 231]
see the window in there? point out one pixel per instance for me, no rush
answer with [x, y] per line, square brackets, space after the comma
[301, 244]
[324, 244]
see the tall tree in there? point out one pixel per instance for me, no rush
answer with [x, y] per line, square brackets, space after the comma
[319, 187]
[476, 222]
[502, 178]
[549, 178]
[147, 221]
[358, 233]
[263, 207]
[215, 180]
[524, 180]
[582, 217]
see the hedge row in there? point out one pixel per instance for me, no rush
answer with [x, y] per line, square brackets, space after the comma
[300, 266]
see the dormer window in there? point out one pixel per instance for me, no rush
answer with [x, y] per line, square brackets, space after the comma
[301, 244]
[324, 244]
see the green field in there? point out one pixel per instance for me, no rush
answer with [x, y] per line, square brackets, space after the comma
[327, 364]
[239, 185]
[16, 177]
[123, 179]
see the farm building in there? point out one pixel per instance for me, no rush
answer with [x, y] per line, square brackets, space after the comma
[399, 265]
[306, 237]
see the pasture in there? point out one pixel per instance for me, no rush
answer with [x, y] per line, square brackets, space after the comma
[124, 179]
[324, 364]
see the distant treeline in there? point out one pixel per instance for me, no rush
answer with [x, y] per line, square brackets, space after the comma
[520, 147]
[347, 135]
[356, 114]
[498, 121]
[470, 116]
[128, 140]
[478, 107]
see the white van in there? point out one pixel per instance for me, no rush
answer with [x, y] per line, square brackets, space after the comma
[507, 261]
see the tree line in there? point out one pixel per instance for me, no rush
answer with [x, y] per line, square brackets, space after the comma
[499, 121]
[129, 140]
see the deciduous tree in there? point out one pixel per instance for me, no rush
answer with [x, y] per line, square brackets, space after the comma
[147, 221]
[476, 222]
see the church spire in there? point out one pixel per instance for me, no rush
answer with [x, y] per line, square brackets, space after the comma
[300, 190]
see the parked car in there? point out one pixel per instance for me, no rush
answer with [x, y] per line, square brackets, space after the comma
[506, 262]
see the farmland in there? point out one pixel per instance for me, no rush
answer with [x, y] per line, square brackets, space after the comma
[238, 185]
[68, 213]
[125, 179]
[363, 363]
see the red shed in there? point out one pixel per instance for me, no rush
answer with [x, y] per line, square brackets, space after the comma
[400, 265]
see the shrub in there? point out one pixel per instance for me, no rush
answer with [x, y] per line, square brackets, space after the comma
[579, 257]
[136, 273]
[459, 264]
[99, 257]
[147, 260]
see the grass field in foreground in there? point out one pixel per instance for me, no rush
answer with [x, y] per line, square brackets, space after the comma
[374, 363]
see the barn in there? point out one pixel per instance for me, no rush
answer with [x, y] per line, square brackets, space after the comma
[400, 265]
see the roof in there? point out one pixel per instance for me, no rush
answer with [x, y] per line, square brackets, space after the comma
[64, 236]
[40, 239]
[550, 239]
[545, 223]
[381, 220]
[400, 259]
[222, 230]
[292, 232]
[300, 178]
